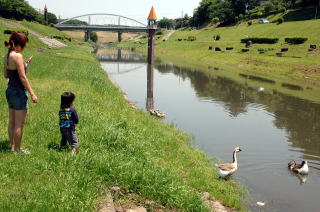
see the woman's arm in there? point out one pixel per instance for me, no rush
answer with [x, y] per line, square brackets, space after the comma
[5, 72]
[22, 75]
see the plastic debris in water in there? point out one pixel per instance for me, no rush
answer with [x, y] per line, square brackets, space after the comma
[261, 203]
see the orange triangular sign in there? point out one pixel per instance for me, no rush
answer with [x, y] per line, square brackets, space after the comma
[152, 14]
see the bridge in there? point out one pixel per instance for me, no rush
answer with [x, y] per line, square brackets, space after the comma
[120, 56]
[102, 22]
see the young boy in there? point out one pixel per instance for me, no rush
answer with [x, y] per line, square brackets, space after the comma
[68, 119]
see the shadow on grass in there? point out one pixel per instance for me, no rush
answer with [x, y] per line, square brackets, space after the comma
[54, 146]
[5, 146]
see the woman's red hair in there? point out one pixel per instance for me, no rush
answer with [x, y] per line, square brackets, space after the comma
[17, 39]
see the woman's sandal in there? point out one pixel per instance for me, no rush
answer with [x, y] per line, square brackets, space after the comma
[25, 151]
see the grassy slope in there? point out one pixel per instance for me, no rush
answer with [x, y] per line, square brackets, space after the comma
[295, 67]
[119, 145]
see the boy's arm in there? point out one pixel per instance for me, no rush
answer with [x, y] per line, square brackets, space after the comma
[75, 116]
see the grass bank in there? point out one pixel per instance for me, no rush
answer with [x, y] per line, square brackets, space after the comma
[297, 66]
[120, 146]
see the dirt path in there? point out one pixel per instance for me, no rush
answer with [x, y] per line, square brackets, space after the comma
[48, 41]
[167, 36]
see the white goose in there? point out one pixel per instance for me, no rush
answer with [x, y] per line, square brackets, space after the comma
[302, 168]
[227, 169]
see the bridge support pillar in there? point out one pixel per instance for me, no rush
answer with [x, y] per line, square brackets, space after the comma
[119, 36]
[87, 35]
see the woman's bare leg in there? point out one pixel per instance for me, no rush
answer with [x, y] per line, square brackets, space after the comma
[20, 116]
[11, 127]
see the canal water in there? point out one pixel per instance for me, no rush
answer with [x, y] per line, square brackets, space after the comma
[271, 128]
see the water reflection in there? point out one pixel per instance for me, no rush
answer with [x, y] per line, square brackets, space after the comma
[302, 178]
[119, 55]
[273, 128]
[149, 102]
[299, 118]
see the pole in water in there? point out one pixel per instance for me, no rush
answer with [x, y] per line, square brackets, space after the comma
[149, 103]
[152, 29]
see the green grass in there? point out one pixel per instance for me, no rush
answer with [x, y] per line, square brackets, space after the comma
[119, 145]
[295, 67]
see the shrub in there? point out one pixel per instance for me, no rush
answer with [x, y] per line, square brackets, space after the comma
[260, 40]
[159, 33]
[256, 12]
[265, 49]
[192, 38]
[241, 17]
[296, 40]
[179, 39]
[61, 37]
[10, 30]
[268, 7]
[215, 20]
[249, 23]
[51, 25]
[281, 9]
[280, 20]
[216, 37]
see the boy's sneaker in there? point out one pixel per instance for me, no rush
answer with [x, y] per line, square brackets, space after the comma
[73, 151]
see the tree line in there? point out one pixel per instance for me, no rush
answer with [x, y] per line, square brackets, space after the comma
[226, 12]
[21, 10]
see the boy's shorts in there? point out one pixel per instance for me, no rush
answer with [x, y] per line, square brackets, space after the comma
[17, 98]
[71, 137]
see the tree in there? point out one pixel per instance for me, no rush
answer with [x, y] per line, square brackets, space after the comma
[228, 11]
[20, 9]
[17, 9]
[52, 18]
[222, 10]
[165, 23]
[93, 36]
[201, 14]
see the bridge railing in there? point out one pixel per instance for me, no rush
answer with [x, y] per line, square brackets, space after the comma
[102, 19]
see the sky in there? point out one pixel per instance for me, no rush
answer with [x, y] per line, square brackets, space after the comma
[135, 9]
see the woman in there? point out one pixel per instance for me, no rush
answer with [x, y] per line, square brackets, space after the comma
[15, 71]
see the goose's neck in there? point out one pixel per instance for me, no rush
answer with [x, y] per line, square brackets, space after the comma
[235, 157]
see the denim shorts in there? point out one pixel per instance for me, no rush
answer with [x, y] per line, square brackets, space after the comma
[17, 98]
